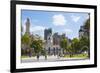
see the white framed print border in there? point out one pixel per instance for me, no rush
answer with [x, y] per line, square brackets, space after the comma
[65, 59]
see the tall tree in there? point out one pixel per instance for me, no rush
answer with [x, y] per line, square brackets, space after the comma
[85, 44]
[38, 46]
[75, 45]
[26, 41]
[87, 24]
[70, 50]
[64, 44]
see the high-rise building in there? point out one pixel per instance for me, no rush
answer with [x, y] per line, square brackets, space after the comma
[47, 32]
[52, 42]
[48, 40]
[56, 39]
[28, 26]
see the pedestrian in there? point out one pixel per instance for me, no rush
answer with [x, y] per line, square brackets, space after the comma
[45, 57]
[37, 56]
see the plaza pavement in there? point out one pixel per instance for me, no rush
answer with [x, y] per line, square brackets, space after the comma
[49, 59]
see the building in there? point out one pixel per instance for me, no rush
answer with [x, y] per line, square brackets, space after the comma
[56, 39]
[56, 44]
[47, 32]
[25, 47]
[52, 42]
[48, 41]
[85, 29]
[27, 26]
[83, 32]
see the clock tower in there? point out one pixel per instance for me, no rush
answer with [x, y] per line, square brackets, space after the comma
[28, 26]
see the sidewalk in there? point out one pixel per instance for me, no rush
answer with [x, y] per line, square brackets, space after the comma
[49, 59]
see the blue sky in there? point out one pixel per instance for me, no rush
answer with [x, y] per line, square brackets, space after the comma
[61, 22]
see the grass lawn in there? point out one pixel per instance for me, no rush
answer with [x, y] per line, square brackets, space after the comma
[77, 56]
[24, 56]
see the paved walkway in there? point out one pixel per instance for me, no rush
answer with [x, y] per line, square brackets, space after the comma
[49, 59]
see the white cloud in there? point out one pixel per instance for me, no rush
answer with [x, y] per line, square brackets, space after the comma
[39, 30]
[75, 18]
[33, 28]
[59, 20]
[66, 31]
[36, 28]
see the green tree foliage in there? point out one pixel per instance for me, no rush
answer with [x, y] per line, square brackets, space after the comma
[70, 50]
[85, 44]
[84, 41]
[26, 39]
[64, 44]
[87, 24]
[75, 45]
[37, 45]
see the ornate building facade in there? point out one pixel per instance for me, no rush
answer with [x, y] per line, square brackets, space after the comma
[83, 32]
[52, 42]
[48, 41]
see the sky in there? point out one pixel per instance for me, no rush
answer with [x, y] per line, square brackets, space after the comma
[61, 22]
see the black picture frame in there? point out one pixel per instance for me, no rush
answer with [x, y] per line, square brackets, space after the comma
[13, 35]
